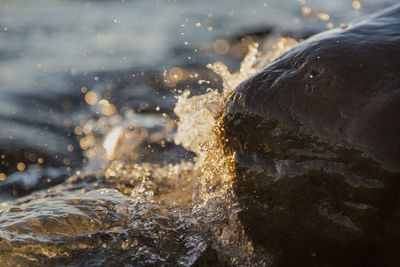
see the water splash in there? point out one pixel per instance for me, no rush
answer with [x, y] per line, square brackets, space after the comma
[121, 204]
[199, 131]
[203, 186]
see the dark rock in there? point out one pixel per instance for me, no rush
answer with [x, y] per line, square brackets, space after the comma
[316, 137]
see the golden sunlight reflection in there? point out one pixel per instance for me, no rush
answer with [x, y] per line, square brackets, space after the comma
[111, 140]
[221, 47]
[21, 166]
[356, 5]
[175, 74]
[107, 108]
[312, 14]
[91, 98]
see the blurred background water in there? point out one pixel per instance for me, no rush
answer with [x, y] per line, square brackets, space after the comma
[131, 53]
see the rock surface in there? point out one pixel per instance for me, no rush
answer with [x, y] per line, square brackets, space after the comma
[316, 136]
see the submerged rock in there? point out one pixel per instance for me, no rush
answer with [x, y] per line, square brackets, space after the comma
[316, 137]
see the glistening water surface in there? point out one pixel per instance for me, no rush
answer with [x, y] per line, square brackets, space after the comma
[98, 92]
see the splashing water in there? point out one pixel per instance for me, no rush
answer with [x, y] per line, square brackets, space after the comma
[198, 125]
[203, 187]
[199, 131]
[155, 200]
[198, 115]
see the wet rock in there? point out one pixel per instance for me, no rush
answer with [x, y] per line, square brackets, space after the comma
[317, 147]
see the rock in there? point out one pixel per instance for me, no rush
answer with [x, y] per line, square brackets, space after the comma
[316, 137]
